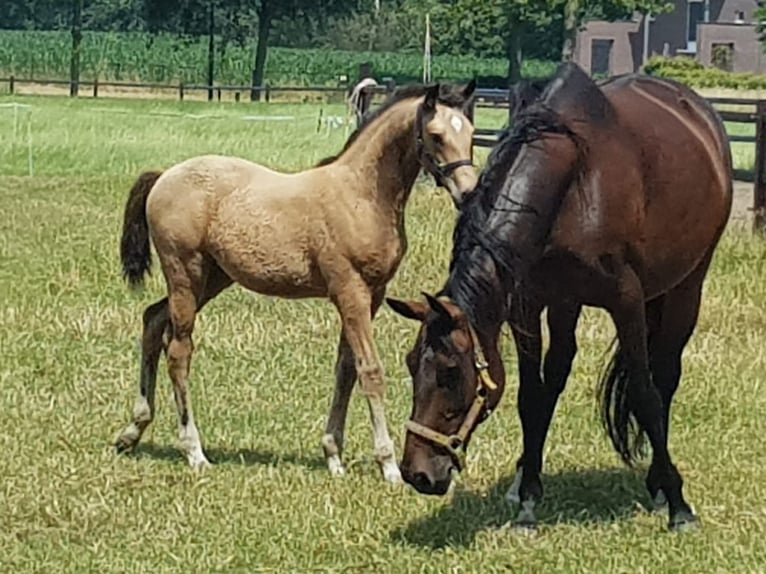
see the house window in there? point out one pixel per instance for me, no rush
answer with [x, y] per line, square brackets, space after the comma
[723, 56]
[740, 17]
[695, 15]
[600, 57]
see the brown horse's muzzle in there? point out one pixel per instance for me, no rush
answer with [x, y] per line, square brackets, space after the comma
[423, 468]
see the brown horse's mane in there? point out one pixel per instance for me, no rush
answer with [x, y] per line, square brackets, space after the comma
[449, 94]
[569, 98]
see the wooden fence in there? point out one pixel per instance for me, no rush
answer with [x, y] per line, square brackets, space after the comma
[732, 110]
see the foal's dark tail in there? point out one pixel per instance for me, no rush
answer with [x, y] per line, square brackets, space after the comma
[135, 249]
[623, 429]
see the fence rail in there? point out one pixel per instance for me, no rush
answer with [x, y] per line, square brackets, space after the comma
[484, 98]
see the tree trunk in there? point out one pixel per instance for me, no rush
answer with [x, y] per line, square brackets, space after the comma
[264, 28]
[514, 54]
[74, 64]
[515, 59]
[571, 7]
[211, 50]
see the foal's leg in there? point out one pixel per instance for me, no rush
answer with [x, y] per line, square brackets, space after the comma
[671, 320]
[538, 398]
[155, 323]
[345, 377]
[354, 301]
[643, 399]
[191, 283]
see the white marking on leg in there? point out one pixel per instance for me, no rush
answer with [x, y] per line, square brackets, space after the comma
[191, 445]
[332, 455]
[456, 123]
[384, 446]
[527, 513]
[660, 500]
[131, 434]
[513, 496]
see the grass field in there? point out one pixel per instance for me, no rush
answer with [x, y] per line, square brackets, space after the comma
[261, 386]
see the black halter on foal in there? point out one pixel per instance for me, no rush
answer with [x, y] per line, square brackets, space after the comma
[439, 171]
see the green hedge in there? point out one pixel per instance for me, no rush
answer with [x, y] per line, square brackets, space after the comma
[169, 59]
[692, 73]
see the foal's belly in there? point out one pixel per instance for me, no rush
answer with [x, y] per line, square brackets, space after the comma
[266, 251]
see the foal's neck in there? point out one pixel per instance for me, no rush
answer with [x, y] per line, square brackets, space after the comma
[385, 158]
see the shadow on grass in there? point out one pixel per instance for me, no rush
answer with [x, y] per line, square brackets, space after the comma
[573, 497]
[222, 456]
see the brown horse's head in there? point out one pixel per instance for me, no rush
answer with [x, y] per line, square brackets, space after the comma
[445, 143]
[452, 393]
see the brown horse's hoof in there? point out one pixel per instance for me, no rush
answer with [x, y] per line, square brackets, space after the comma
[525, 529]
[684, 522]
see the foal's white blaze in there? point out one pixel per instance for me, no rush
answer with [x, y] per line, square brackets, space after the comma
[456, 123]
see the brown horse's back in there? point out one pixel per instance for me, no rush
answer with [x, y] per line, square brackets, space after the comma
[660, 217]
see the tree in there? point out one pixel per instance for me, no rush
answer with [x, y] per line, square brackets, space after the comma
[269, 10]
[74, 67]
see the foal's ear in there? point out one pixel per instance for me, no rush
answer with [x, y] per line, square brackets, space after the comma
[469, 89]
[432, 94]
[410, 309]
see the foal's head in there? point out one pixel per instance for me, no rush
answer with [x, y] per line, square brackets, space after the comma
[445, 143]
[453, 393]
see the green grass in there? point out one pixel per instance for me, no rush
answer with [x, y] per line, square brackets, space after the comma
[261, 388]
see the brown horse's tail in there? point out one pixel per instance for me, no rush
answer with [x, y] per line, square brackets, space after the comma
[627, 437]
[135, 248]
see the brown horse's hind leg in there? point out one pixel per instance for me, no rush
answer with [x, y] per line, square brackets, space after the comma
[345, 377]
[642, 397]
[671, 320]
[155, 324]
[353, 300]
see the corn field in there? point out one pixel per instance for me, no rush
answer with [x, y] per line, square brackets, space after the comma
[170, 59]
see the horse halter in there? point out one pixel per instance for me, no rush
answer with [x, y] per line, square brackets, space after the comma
[440, 171]
[455, 444]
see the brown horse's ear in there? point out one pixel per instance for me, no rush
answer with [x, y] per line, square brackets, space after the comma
[410, 309]
[432, 94]
[438, 307]
[469, 89]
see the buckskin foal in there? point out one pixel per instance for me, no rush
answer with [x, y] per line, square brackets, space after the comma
[334, 231]
[613, 196]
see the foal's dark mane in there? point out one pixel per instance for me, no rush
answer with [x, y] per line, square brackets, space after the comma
[449, 95]
[484, 254]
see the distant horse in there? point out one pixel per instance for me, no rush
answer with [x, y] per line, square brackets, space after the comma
[335, 231]
[613, 196]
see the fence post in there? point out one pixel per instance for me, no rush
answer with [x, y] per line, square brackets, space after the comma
[95, 87]
[759, 188]
[181, 91]
[10, 84]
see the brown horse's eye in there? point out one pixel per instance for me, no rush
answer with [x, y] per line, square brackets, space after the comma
[451, 415]
[437, 139]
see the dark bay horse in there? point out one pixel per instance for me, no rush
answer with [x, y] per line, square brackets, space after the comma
[612, 196]
[335, 231]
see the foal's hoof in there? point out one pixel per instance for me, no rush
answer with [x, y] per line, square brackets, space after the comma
[124, 445]
[392, 474]
[335, 466]
[684, 522]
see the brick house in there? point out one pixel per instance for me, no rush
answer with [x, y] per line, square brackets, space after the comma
[718, 33]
